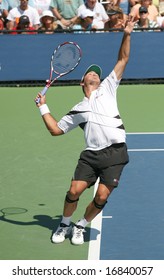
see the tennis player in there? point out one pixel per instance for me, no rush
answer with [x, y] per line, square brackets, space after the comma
[106, 152]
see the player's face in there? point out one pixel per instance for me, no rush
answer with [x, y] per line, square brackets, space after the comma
[92, 78]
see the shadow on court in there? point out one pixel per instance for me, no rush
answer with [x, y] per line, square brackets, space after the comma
[39, 220]
[48, 222]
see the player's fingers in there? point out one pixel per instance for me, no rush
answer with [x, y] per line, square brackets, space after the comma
[37, 102]
[37, 99]
[39, 94]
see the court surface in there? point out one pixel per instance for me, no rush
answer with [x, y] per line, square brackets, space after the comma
[36, 169]
[132, 223]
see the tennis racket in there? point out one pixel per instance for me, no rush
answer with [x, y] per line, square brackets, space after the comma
[65, 58]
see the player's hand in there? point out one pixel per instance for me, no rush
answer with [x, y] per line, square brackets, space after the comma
[129, 25]
[41, 98]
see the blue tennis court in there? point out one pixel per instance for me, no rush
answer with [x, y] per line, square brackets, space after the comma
[132, 223]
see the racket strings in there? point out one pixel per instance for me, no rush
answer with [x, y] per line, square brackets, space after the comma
[65, 58]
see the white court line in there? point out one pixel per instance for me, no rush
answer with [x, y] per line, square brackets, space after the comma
[144, 133]
[96, 224]
[145, 150]
[94, 245]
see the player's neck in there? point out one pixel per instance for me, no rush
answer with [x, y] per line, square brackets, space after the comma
[88, 90]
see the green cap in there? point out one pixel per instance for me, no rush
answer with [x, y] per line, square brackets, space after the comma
[95, 68]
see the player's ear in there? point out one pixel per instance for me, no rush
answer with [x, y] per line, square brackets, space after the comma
[82, 85]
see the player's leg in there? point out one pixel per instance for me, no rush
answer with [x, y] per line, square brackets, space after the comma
[70, 205]
[99, 201]
[92, 210]
[108, 166]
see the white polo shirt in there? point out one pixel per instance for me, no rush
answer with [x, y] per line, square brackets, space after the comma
[100, 15]
[98, 116]
[31, 12]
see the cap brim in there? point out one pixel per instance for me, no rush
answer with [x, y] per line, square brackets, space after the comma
[113, 12]
[95, 68]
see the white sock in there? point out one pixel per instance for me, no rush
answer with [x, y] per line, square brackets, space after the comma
[66, 220]
[83, 222]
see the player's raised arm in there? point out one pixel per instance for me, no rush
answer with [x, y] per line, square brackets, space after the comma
[65, 58]
[124, 52]
[49, 120]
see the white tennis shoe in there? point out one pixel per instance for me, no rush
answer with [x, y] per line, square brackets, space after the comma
[77, 235]
[61, 233]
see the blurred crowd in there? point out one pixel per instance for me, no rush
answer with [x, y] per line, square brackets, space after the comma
[51, 16]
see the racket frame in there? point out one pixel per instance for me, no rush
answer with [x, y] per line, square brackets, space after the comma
[52, 70]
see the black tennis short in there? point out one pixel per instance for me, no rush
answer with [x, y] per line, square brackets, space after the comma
[107, 164]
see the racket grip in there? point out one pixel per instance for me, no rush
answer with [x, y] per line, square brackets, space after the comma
[43, 92]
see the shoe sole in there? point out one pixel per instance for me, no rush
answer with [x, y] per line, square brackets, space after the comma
[77, 243]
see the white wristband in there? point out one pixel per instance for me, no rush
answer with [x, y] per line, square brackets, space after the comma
[44, 109]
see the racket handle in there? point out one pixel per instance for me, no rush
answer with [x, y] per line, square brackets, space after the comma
[43, 92]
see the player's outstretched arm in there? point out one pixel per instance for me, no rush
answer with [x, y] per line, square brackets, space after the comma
[124, 51]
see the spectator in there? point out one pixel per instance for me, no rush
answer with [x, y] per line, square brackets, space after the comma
[7, 5]
[84, 21]
[125, 6]
[23, 26]
[100, 16]
[144, 21]
[161, 7]
[160, 17]
[105, 2]
[152, 10]
[1, 17]
[48, 24]
[40, 5]
[116, 19]
[134, 2]
[1, 24]
[110, 4]
[156, 3]
[23, 9]
[65, 12]
[1, 8]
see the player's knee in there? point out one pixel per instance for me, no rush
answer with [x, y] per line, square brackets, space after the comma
[101, 197]
[99, 205]
[70, 198]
